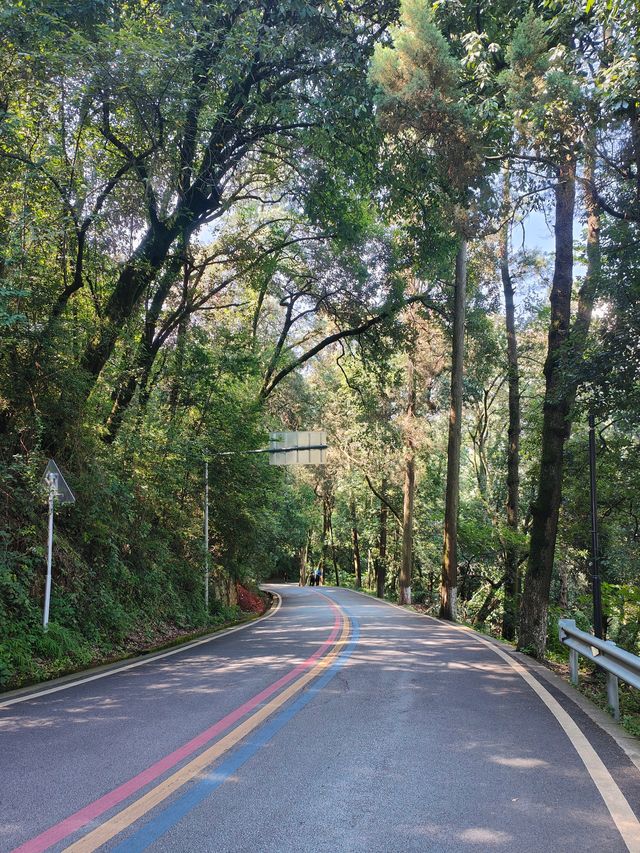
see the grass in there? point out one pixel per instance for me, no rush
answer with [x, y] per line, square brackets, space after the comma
[61, 662]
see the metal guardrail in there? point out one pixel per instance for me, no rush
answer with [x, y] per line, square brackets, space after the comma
[616, 662]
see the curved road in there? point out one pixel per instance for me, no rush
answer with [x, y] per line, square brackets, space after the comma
[337, 723]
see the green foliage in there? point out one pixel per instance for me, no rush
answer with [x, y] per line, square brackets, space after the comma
[8, 315]
[195, 198]
[420, 95]
[129, 553]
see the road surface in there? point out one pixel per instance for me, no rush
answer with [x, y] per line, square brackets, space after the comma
[338, 723]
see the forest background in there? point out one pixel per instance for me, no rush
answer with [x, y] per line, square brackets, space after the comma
[218, 220]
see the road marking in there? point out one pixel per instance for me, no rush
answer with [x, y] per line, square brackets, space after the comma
[112, 827]
[147, 659]
[173, 813]
[623, 816]
[627, 743]
[81, 818]
[621, 812]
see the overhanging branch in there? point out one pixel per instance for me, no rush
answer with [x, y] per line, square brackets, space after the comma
[385, 314]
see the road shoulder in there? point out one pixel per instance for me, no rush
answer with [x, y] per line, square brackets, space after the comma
[44, 688]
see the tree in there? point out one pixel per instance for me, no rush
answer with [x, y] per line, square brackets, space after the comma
[553, 123]
[422, 99]
[512, 555]
[448, 590]
[205, 108]
[409, 488]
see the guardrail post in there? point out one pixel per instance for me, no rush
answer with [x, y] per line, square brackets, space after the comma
[605, 654]
[573, 666]
[613, 697]
[563, 626]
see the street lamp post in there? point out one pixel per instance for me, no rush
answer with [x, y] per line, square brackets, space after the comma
[206, 535]
[595, 545]
[285, 448]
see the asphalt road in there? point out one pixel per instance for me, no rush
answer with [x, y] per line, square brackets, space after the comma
[338, 723]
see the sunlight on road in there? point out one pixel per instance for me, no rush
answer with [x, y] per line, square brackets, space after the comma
[482, 835]
[524, 763]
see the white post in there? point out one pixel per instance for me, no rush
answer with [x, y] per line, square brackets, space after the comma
[206, 536]
[47, 592]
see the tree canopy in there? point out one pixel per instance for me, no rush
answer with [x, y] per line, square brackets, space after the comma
[220, 220]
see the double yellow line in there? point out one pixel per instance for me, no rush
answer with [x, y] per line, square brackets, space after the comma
[124, 819]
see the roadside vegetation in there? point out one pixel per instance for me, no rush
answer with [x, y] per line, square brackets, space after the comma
[221, 220]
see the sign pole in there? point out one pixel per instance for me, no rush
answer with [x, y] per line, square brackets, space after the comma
[206, 535]
[52, 480]
[57, 488]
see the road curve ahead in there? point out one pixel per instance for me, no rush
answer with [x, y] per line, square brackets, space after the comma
[339, 723]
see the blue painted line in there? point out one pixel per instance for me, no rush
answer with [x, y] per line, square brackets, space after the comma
[173, 813]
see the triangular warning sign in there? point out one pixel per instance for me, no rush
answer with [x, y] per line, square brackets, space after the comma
[53, 477]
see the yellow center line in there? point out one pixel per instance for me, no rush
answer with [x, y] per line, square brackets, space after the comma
[119, 822]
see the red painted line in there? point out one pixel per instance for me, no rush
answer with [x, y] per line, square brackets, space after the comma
[98, 807]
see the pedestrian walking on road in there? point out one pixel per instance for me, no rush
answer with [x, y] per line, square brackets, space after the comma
[318, 576]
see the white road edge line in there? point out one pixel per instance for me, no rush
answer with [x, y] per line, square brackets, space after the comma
[623, 816]
[147, 659]
[629, 744]
[621, 812]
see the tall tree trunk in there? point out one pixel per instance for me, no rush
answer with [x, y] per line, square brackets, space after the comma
[563, 597]
[134, 278]
[333, 552]
[535, 603]
[303, 561]
[404, 580]
[381, 562]
[327, 535]
[546, 507]
[448, 589]
[587, 293]
[635, 143]
[489, 604]
[357, 561]
[511, 555]
[148, 347]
